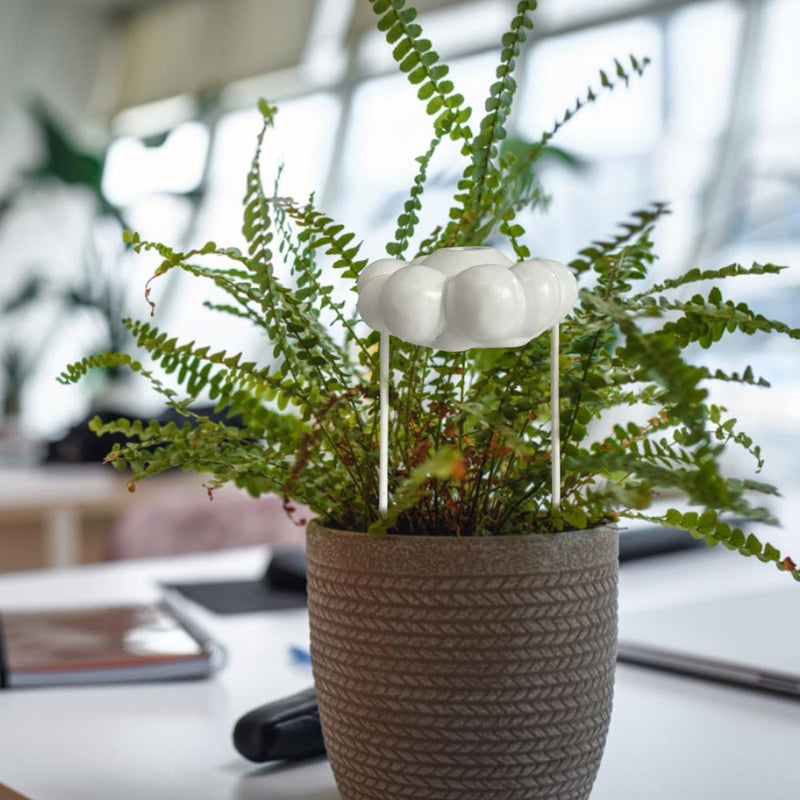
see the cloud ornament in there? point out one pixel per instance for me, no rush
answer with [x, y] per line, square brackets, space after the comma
[458, 298]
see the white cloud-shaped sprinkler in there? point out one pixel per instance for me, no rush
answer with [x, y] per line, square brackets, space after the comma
[459, 298]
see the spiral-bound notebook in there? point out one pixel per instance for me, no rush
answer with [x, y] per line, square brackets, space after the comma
[114, 644]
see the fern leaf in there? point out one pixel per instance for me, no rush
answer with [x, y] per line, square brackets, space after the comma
[492, 130]
[408, 219]
[746, 377]
[706, 319]
[320, 231]
[310, 286]
[708, 527]
[695, 275]
[598, 253]
[468, 218]
[725, 431]
[481, 182]
[421, 64]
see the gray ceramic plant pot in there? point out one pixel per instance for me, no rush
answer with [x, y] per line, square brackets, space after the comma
[480, 670]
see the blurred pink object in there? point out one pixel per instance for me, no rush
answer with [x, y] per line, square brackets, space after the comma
[186, 521]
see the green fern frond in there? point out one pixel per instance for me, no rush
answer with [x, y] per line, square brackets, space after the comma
[706, 319]
[708, 527]
[286, 316]
[746, 377]
[320, 231]
[599, 252]
[637, 66]
[480, 183]
[187, 359]
[421, 64]
[469, 223]
[725, 431]
[512, 169]
[409, 218]
[470, 441]
[223, 451]
[72, 373]
[75, 371]
[256, 220]
[696, 275]
[308, 276]
[300, 341]
[514, 232]
[484, 148]
[657, 356]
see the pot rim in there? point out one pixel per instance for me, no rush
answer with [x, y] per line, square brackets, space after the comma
[587, 533]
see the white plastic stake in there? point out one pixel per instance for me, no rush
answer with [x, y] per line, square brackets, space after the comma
[383, 466]
[555, 417]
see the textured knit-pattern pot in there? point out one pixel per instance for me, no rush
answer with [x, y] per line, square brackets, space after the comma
[481, 670]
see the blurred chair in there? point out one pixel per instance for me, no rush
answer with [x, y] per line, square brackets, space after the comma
[187, 522]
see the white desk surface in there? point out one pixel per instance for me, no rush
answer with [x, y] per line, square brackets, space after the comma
[670, 737]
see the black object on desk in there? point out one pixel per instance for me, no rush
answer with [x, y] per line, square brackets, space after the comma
[287, 571]
[286, 729]
[282, 586]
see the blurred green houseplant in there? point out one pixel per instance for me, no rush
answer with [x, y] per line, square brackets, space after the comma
[96, 287]
[469, 444]
[61, 163]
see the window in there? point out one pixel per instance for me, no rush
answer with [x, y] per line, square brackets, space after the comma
[713, 127]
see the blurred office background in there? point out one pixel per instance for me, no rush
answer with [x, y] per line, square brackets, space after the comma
[142, 113]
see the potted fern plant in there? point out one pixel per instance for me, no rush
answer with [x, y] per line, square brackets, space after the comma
[464, 641]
